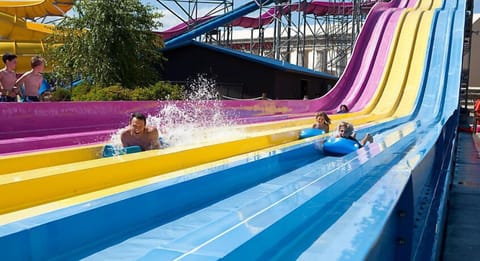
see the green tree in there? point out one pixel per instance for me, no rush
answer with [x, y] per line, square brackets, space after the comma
[109, 42]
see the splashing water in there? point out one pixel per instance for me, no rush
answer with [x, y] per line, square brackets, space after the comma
[199, 119]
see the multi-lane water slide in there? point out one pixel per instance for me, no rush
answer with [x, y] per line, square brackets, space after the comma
[359, 82]
[396, 177]
[22, 37]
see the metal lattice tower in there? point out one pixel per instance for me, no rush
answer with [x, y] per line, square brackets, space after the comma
[190, 12]
[321, 42]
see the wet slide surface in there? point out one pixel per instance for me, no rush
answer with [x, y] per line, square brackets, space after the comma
[254, 223]
[294, 184]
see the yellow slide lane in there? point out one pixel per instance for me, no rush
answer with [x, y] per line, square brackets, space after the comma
[76, 178]
[80, 198]
[55, 157]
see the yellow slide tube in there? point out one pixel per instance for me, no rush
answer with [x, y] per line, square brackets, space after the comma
[14, 28]
[36, 8]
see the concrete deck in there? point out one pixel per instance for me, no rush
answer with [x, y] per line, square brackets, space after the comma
[462, 236]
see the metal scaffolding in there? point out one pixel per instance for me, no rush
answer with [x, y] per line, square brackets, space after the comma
[321, 39]
[191, 12]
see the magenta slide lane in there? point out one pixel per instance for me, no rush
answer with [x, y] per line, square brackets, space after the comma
[362, 75]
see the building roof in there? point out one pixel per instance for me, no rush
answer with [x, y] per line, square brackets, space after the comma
[269, 62]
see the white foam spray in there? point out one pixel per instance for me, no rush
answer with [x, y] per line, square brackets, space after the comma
[199, 119]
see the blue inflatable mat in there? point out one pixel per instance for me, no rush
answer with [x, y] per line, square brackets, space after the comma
[310, 132]
[339, 146]
[110, 151]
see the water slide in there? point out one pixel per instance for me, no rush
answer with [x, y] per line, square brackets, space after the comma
[69, 122]
[22, 37]
[40, 135]
[316, 211]
[288, 190]
[359, 82]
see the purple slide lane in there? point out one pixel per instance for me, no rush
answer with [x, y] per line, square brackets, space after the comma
[362, 75]
[37, 126]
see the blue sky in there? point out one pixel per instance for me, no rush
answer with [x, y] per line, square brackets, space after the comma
[170, 20]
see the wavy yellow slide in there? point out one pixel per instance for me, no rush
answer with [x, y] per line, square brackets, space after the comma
[71, 182]
[24, 38]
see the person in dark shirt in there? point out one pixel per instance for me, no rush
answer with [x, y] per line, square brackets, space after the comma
[343, 109]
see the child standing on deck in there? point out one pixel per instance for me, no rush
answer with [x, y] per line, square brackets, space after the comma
[32, 80]
[8, 91]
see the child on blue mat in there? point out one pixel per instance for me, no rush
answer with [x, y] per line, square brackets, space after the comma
[345, 130]
[138, 134]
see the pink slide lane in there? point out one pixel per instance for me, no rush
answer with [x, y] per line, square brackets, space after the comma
[362, 75]
[36, 126]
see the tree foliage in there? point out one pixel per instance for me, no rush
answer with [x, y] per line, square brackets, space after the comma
[158, 91]
[108, 42]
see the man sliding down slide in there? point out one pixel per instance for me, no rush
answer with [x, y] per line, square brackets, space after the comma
[136, 137]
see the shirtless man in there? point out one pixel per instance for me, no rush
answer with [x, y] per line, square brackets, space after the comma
[32, 80]
[138, 134]
[8, 91]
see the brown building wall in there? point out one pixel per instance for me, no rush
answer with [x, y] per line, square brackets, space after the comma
[238, 77]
